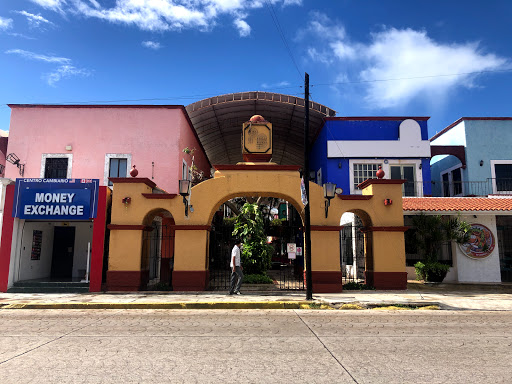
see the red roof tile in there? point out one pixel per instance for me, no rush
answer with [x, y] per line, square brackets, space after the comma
[457, 204]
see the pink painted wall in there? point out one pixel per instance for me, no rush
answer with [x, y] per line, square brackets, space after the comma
[148, 133]
[190, 140]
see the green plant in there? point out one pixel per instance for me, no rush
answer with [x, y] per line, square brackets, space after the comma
[228, 221]
[258, 279]
[432, 271]
[429, 234]
[277, 222]
[353, 286]
[256, 253]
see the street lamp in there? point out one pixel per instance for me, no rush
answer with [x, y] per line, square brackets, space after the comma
[329, 192]
[15, 160]
[184, 187]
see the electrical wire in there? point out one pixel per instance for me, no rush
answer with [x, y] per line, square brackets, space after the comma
[283, 38]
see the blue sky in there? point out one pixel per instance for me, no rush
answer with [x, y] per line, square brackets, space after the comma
[444, 59]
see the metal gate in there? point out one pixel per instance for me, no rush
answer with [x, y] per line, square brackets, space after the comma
[287, 274]
[221, 240]
[158, 254]
[352, 257]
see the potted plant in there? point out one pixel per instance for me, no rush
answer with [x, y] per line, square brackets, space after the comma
[430, 233]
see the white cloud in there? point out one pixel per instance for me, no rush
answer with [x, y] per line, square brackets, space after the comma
[275, 85]
[152, 45]
[34, 20]
[64, 72]
[166, 15]
[22, 36]
[39, 57]
[5, 23]
[4, 133]
[244, 29]
[419, 66]
[55, 5]
[401, 54]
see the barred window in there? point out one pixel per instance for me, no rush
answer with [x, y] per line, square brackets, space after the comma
[364, 172]
[56, 168]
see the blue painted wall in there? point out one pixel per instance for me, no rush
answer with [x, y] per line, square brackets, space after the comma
[485, 140]
[336, 170]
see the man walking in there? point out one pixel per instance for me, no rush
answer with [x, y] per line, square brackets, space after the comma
[236, 269]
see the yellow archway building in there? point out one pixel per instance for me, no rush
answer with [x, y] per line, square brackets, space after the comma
[136, 199]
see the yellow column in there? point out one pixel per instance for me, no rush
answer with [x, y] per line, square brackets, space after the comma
[325, 260]
[190, 259]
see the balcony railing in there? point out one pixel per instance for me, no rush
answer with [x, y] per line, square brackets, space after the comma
[457, 188]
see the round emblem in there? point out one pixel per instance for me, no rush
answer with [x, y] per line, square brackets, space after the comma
[480, 244]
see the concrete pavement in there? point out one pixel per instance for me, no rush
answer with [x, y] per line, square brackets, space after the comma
[446, 296]
[254, 346]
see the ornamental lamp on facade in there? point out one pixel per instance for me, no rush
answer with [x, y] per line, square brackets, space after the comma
[329, 193]
[184, 187]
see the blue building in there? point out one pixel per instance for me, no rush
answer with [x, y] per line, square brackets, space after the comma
[349, 150]
[481, 164]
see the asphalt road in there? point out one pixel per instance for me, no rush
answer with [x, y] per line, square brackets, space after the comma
[254, 346]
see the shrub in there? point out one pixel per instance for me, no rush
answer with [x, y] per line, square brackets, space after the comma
[257, 279]
[353, 286]
[432, 271]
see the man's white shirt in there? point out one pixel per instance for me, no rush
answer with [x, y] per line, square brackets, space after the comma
[236, 253]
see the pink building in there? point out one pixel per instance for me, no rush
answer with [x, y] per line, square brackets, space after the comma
[87, 143]
[98, 141]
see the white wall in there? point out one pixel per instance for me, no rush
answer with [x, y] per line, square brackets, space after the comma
[28, 269]
[479, 270]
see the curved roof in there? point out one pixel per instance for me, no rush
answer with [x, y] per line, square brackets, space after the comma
[218, 122]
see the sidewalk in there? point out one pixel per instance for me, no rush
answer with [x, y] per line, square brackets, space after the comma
[446, 296]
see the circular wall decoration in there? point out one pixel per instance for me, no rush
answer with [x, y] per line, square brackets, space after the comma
[480, 244]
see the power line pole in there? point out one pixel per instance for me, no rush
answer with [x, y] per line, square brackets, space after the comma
[305, 174]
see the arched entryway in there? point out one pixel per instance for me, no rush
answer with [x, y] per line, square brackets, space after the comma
[157, 254]
[282, 225]
[381, 202]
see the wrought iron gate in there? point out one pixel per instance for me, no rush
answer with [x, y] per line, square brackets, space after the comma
[288, 274]
[158, 253]
[352, 253]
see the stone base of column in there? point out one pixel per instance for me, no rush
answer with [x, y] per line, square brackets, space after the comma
[190, 280]
[387, 280]
[326, 281]
[127, 280]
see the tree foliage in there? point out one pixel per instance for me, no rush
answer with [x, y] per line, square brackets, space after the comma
[432, 231]
[256, 253]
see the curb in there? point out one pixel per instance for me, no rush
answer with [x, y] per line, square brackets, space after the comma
[214, 305]
[168, 305]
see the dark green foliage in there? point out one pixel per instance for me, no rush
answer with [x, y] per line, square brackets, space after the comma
[353, 286]
[277, 222]
[432, 271]
[430, 233]
[256, 253]
[258, 279]
[229, 221]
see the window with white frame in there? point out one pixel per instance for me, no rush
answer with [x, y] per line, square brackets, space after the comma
[364, 172]
[56, 165]
[452, 182]
[405, 172]
[116, 165]
[501, 171]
